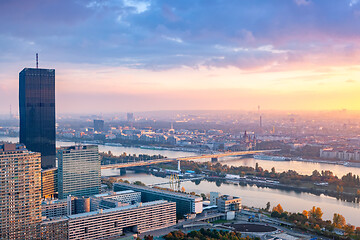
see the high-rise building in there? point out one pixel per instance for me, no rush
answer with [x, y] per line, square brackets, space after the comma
[49, 183]
[20, 193]
[37, 113]
[99, 125]
[130, 117]
[79, 171]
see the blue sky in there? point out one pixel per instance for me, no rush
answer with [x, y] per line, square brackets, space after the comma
[179, 46]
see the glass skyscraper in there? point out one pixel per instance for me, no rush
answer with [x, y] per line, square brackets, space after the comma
[20, 193]
[78, 171]
[37, 113]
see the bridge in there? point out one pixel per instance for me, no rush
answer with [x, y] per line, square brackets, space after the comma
[213, 157]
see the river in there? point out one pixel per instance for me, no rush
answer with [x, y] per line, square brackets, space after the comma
[258, 197]
[251, 195]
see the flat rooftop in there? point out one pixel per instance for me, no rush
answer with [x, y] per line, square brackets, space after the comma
[182, 195]
[139, 205]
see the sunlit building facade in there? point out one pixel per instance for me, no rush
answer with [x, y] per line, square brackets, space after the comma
[20, 193]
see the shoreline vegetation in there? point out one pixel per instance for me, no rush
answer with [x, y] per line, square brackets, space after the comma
[345, 188]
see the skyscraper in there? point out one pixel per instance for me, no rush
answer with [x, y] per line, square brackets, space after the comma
[98, 125]
[20, 193]
[79, 171]
[37, 113]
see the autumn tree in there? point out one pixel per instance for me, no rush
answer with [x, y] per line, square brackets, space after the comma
[339, 220]
[305, 213]
[349, 229]
[316, 213]
[278, 209]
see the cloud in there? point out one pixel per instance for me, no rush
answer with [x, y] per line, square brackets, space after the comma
[159, 34]
[350, 81]
[302, 2]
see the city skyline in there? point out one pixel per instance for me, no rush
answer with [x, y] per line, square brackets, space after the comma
[127, 56]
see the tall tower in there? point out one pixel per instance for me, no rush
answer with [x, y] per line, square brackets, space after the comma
[20, 193]
[37, 113]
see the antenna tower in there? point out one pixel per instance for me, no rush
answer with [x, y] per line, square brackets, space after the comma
[37, 60]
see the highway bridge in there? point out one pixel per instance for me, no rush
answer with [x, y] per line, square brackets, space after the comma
[214, 157]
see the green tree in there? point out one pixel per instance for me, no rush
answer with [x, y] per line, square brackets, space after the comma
[267, 206]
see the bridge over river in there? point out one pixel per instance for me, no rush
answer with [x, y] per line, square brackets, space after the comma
[214, 157]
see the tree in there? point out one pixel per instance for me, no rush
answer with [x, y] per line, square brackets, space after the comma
[267, 206]
[349, 229]
[305, 213]
[339, 220]
[278, 209]
[316, 213]
[316, 173]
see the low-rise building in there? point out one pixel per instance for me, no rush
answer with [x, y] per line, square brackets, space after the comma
[185, 203]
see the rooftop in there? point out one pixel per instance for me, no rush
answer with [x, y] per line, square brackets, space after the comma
[139, 205]
[184, 195]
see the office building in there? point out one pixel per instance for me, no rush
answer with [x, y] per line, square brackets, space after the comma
[56, 229]
[114, 222]
[37, 113]
[185, 203]
[79, 171]
[228, 203]
[111, 223]
[54, 208]
[98, 125]
[20, 192]
[114, 199]
[213, 198]
[49, 183]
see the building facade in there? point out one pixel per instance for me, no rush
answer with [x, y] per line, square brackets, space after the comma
[228, 203]
[20, 193]
[185, 203]
[49, 183]
[56, 229]
[79, 171]
[114, 222]
[37, 113]
[98, 125]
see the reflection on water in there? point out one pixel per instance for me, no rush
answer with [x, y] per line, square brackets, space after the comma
[258, 196]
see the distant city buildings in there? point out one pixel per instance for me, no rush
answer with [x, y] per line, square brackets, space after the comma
[341, 154]
[20, 193]
[130, 117]
[79, 171]
[37, 113]
[98, 125]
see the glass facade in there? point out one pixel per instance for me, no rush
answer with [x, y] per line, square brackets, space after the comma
[37, 113]
[79, 171]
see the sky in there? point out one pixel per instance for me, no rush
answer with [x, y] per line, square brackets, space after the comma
[127, 55]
